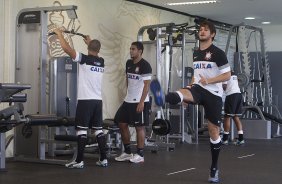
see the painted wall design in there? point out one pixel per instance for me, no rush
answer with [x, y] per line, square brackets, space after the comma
[57, 20]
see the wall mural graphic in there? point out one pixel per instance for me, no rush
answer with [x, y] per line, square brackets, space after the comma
[57, 20]
[141, 16]
[115, 50]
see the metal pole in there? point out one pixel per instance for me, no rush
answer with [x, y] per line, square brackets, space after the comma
[2, 151]
[183, 85]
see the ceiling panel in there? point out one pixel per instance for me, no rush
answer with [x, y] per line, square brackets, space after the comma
[231, 11]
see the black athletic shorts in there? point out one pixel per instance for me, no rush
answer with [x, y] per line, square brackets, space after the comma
[89, 114]
[127, 114]
[212, 103]
[233, 105]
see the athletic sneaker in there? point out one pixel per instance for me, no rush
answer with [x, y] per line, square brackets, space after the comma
[225, 142]
[215, 178]
[103, 163]
[75, 164]
[239, 143]
[156, 89]
[124, 157]
[137, 159]
[70, 164]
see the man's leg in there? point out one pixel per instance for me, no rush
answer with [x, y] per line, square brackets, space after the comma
[101, 140]
[125, 137]
[226, 126]
[81, 142]
[239, 129]
[140, 134]
[172, 97]
[182, 95]
[215, 144]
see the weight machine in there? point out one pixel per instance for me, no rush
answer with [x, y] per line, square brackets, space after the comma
[165, 37]
[53, 79]
[254, 75]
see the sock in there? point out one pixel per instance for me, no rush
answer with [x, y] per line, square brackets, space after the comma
[215, 149]
[225, 136]
[240, 134]
[173, 98]
[127, 148]
[140, 151]
[81, 142]
[101, 139]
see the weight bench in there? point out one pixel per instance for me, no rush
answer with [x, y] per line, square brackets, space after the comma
[9, 92]
[113, 136]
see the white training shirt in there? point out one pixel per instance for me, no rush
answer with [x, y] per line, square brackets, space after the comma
[232, 86]
[210, 63]
[90, 74]
[136, 75]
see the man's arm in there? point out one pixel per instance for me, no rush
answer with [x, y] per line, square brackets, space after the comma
[87, 39]
[220, 78]
[65, 46]
[145, 92]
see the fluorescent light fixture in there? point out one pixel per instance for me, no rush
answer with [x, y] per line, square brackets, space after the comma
[266, 22]
[192, 2]
[250, 18]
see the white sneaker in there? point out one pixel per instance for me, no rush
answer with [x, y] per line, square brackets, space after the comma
[137, 159]
[103, 163]
[75, 164]
[124, 157]
[71, 163]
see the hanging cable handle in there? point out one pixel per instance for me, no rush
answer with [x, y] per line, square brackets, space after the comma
[69, 32]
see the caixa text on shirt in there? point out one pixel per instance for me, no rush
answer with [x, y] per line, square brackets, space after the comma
[202, 66]
[97, 69]
[135, 77]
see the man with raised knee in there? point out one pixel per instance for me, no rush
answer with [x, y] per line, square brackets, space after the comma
[211, 68]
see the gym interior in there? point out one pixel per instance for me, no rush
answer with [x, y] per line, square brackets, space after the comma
[38, 93]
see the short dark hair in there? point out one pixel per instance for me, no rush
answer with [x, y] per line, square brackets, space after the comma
[210, 25]
[139, 46]
[94, 45]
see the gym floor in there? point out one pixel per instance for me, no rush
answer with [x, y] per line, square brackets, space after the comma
[257, 162]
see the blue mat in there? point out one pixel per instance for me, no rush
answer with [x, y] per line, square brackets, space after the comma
[156, 89]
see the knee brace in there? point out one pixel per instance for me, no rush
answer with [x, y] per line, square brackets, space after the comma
[97, 132]
[81, 132]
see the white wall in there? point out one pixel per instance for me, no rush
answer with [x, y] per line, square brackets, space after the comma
[273, 37]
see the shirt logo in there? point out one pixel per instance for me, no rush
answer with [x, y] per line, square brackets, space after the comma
[130, 76]
[137, 70]
[97, 69]
[202, 66]
[97, 63]
[208, 56]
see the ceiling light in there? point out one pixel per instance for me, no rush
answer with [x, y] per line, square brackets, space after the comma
[250, 18]
[192, 2]
[265, 22]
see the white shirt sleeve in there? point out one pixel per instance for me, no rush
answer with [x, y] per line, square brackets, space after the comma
[78, 57]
